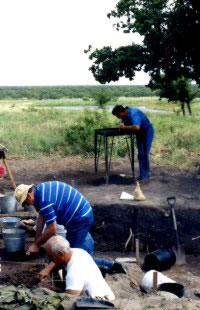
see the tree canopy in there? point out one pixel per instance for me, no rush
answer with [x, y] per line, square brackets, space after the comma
[170, 41]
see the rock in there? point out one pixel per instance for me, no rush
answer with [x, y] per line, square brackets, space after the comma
[167, 295]
[189, 306]
[197, 293]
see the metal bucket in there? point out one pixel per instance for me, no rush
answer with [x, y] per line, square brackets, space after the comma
[9, 222]
[8, 203]
[14, 239]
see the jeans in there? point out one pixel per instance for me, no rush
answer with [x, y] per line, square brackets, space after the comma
[78, 234]
[79, 237]
[104, 263]
[144, 141]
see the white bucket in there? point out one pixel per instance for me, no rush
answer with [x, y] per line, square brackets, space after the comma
[147, 281]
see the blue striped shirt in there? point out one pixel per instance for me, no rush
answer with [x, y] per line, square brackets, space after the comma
[60, 202]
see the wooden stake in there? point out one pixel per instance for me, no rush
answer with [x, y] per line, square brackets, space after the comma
[137, 250]
[155, 281]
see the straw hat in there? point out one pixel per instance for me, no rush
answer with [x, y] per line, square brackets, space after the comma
[21, 192]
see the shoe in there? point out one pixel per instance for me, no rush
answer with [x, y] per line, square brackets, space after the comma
[141, 179]
[118, 268]
[103, 271]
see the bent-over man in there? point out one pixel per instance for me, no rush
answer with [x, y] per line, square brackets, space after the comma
[134, 119]
[58, 202]
[82, 274]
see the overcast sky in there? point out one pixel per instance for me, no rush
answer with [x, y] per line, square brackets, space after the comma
[43, 41]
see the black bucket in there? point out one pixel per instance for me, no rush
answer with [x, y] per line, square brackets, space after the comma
[174, 288]
[161, 259]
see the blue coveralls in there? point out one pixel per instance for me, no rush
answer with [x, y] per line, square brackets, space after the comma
[144, 138]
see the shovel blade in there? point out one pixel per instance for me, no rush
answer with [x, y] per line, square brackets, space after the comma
[180, 255]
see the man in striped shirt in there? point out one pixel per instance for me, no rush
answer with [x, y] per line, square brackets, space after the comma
[58, 202]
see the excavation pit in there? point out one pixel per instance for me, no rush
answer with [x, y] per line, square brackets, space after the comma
[149, 220]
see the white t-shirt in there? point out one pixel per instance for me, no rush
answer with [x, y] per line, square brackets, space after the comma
[84, 275]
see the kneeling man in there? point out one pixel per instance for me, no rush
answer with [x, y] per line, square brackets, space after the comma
[83, 276]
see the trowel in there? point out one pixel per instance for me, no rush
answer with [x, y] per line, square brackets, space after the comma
[178, 249]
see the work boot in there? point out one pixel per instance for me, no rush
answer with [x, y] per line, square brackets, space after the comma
[141, 179]
[118, 268]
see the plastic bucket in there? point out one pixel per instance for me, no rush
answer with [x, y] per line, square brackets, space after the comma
[8, 203]
[160, 260]
[147, 281]
[175, 288]
[9, 222]
[14, 239]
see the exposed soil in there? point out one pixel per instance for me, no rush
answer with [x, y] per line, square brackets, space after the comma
[150, 220]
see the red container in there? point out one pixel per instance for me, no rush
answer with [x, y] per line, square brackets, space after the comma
[2, 171]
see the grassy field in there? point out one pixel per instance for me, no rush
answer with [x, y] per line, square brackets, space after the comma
[34, 128]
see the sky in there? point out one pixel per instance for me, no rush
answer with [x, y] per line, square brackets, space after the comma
[42, 42]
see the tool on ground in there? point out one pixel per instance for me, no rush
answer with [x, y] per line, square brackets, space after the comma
[178, 249]
[3, 156]
[91, 303]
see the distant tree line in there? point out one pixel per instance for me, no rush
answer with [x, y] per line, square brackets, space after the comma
[57, 92]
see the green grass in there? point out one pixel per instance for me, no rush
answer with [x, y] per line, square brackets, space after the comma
[33, 128]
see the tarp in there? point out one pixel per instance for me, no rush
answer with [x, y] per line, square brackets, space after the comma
[22, 298]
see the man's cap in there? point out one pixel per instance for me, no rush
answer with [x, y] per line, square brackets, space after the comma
[21, 192]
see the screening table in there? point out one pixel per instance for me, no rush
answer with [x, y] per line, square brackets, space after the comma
[110, 133]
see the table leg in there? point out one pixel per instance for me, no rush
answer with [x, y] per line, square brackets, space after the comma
[132, 156]
[106, 158]
[95, 153]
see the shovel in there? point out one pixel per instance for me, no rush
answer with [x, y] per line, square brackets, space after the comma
[178, 249]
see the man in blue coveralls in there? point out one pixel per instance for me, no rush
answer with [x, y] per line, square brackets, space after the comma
[58, 202]
[135, 119]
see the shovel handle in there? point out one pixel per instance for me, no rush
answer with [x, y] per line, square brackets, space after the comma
[9, 173]
[171, 201]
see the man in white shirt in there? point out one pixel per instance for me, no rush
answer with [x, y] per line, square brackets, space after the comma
[83, 276]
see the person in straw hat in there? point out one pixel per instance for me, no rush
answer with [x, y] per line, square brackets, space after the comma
[58, 202]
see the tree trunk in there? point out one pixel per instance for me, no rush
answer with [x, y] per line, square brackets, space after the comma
[183, 107]
[189, 108]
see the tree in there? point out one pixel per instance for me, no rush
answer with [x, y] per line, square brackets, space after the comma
[170, 44]
[102, 97]
[179, 90]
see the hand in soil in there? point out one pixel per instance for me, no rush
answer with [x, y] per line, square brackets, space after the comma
[44, 274]
[33, 249]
